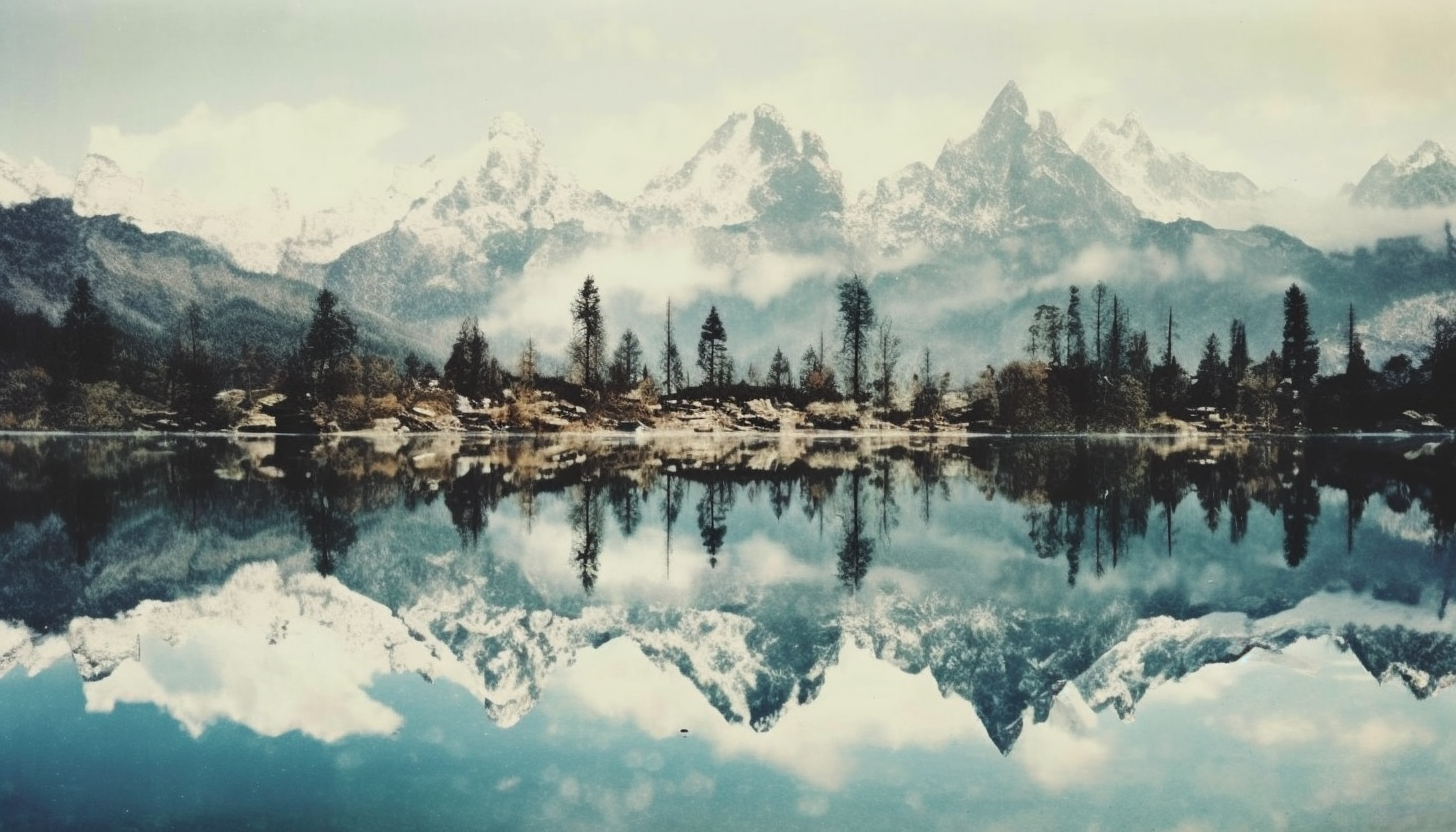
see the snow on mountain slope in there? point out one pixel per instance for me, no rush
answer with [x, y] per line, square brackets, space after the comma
[25, 183]
[451, 247]
[1015, 173]
[252, 235]
[19, 647]
[1425, 178]
[752, 167]
[1164, 186]
[275, 652]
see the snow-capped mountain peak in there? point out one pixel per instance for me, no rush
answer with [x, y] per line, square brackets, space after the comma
[1164, 186]
[752, 167]
[1426, 177]
[29, 182]
[1013, 173]
[1009, 103]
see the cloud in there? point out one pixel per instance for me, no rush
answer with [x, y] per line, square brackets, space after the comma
[1329, 221]
[1064, 751]
[318, 154]
[1378, 736]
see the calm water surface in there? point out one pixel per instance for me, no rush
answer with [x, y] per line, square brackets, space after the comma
[454, 633]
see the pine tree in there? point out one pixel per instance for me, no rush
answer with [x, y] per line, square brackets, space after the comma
[1210, 382]
[1239, 362]
[673, 377]
[470, 370]
[1169, 382]
[328, 347]
[780, 376]
[626, 362]
[1299, 359]
[856, 321]
[589, 334]
[713, 351]
[929, 390]
[1112, 356]
[87, 335]
[1076, 335]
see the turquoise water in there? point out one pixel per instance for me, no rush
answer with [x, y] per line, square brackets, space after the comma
[451, 633]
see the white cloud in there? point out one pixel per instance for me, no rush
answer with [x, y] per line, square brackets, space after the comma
[1064, 751]
[318, 154]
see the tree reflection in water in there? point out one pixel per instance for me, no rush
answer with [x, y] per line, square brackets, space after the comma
[1080, 499]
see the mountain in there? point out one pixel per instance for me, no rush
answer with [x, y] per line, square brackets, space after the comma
[251, 235]
[1014, 175]
[754, 170]
[1425, 178]
[147, 280]
[34, 181]
[1164, 186]
[451, 248]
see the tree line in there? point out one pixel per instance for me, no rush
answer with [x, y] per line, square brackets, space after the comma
[1085, 368]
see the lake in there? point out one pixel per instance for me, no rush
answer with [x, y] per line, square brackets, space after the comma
[744, 632]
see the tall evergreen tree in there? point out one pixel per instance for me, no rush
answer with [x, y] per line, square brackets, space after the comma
[1210, 382]
[88, 338]
[930, 389]
[1099, 302]
[671, 366]
[1239, 362]
[780, 375]
[1169, 383]
[1299, 358]
[856, 322]
[470, 370]
[626, 366]
[713, 351]
[1076, 334]
[328, 347]
[1113, 356]
[589, 336]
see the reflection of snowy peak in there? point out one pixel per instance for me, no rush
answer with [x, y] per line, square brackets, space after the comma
[276, 653]
[1014, 173]
[753, 168]
[30, 182]
[1425, 662]
[1164, 186]
[1426, 177]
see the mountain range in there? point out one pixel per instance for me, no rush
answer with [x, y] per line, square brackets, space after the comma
[1004, 219]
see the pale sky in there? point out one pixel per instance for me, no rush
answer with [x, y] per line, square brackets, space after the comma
[320, 96]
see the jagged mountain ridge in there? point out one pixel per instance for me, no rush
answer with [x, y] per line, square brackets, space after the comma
[1425, 178]
[1014, 174]
[1164, 186]
[36, 180]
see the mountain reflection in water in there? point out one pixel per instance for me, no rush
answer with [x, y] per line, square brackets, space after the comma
[1015, 572]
